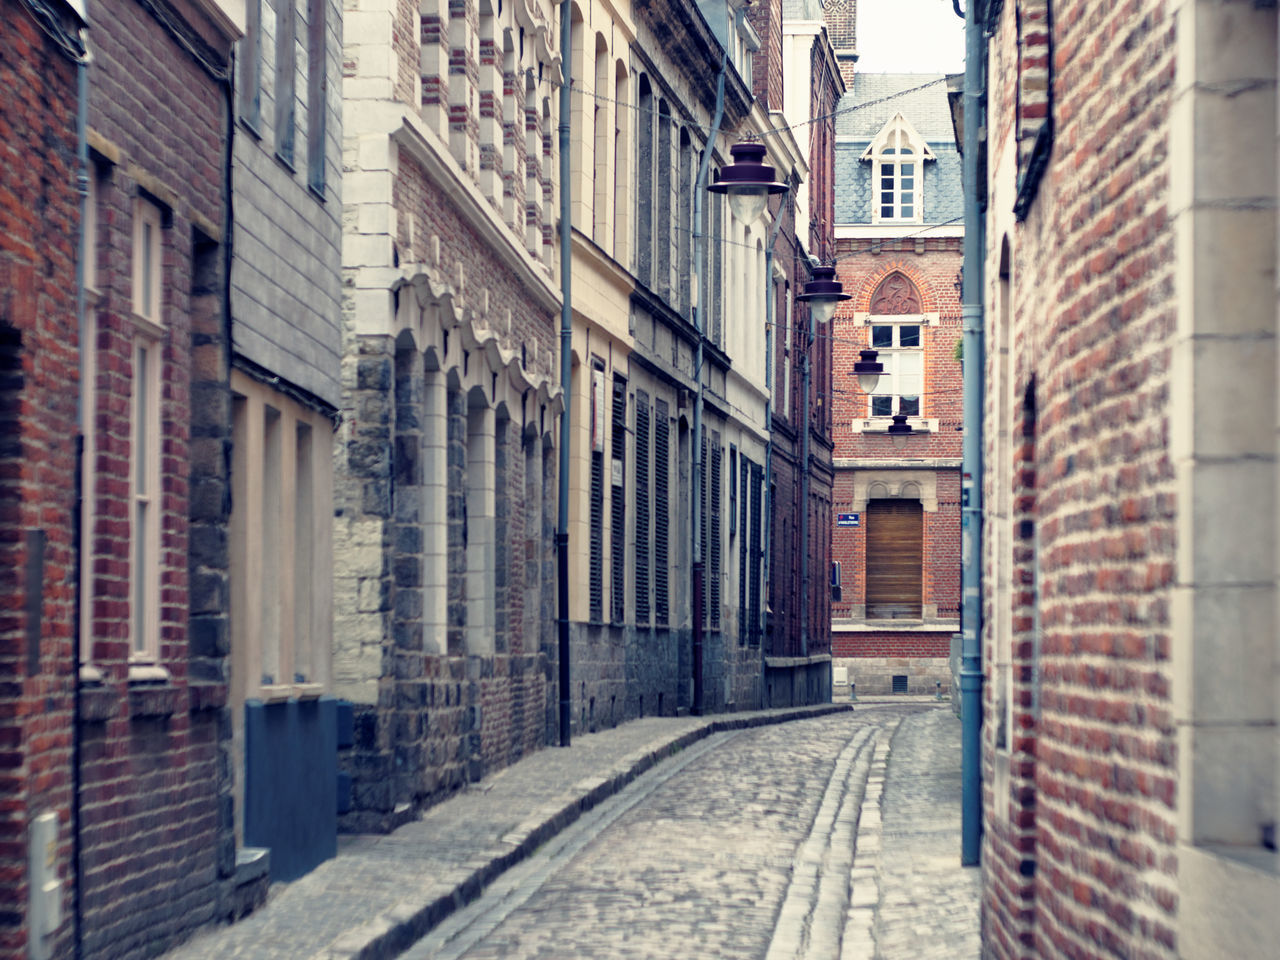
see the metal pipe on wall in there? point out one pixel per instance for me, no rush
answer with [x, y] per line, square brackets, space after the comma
[972, 470]
[566, 369]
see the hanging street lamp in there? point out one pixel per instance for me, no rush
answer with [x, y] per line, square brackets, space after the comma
[748, 181]
[868, 370]
[822, 293]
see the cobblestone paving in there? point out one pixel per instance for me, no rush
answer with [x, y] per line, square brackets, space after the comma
[742, 850]
[911, 898]
[379, 885]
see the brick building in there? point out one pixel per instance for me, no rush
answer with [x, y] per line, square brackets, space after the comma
[39, 237]
[445, 481]
[896, 533]
[156, 844]
[798, 81]
[1130, 746]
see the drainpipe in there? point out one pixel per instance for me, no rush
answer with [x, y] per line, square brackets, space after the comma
[566, 368]
[804, 491]
[770, 316]
[972, 470]
[699, 243]
[82, 324]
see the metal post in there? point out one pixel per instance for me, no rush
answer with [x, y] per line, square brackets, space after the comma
[972, 469]
[699, 244]
[566, 368]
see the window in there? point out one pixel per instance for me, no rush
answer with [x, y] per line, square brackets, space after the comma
[618, 501]
[897, 156]
[661, 511]
[251, 66]
[286, 67]
[144, 434]
[900, 351]
[281, 544]
[642, 506]
[595, 586]
[317, 93]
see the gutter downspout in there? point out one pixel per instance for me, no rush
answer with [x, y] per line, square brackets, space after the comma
[770, 315]
[699, 243]
[972, 471]
[804, 490]
[77, 526]
[566, 368]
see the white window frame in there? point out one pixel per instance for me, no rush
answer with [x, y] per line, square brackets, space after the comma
[145, 500]
[873, 423]
[281, 592]
[896, 141]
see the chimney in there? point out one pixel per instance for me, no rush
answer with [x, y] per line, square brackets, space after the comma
[842, 27]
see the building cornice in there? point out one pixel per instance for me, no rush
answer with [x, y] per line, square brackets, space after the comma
[896, 231]
[896, 463]
[421, 143]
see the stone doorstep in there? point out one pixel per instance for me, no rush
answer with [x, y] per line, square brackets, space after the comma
[396, 929]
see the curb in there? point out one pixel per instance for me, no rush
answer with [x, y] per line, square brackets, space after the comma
[395, 930]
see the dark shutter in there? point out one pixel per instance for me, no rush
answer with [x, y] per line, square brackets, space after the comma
[895, 535]
[753, 564]
[642, 507]
[744, 621]
[702, 529]
[713, 556]
[618, 502]
[661, 510]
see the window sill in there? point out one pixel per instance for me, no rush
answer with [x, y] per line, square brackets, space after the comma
[882, 424]
[140, 673]
[148, 328]
[280, 692]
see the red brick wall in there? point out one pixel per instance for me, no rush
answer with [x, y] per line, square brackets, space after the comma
[890, 644]
[155, 839]
[39, 233]
[766, 63]
[932, 265]
[1080, 853]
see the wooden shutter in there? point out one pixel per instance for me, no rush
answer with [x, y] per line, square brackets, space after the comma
[618, 502]
[714, 500]
[661, 510]
[895, 538]
[642, 507]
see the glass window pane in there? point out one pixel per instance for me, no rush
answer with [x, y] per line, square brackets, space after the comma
[909, 370]
[882, 406]
[140, 377]
[147, 266]
[909, 406]
[908, 169]
[909, 335]
[908, 211]
[881, 335]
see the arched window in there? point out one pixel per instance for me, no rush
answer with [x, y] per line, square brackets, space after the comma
[897, 332]
[897, 156]
[601, 127]
[644, 182]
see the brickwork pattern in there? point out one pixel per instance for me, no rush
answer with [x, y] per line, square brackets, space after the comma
[156, 821]
[39, 234]
[1080, 851]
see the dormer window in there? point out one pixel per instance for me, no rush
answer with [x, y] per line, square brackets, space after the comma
[897, 156]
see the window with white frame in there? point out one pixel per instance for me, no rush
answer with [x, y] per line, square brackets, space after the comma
[900, 350]
[280, 544]
[897, 156]
[144, 433]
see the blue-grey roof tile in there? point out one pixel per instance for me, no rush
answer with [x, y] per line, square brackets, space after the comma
[927, 111]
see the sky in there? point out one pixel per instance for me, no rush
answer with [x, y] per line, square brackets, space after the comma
[909, 36]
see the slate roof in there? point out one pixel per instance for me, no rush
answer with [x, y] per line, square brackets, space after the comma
[928, 112]
[927, 109]
[801, 10]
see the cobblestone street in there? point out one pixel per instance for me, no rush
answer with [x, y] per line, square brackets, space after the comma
[740, 843]
[743, 847]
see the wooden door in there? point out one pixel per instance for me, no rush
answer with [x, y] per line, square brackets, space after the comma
[895, 551]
